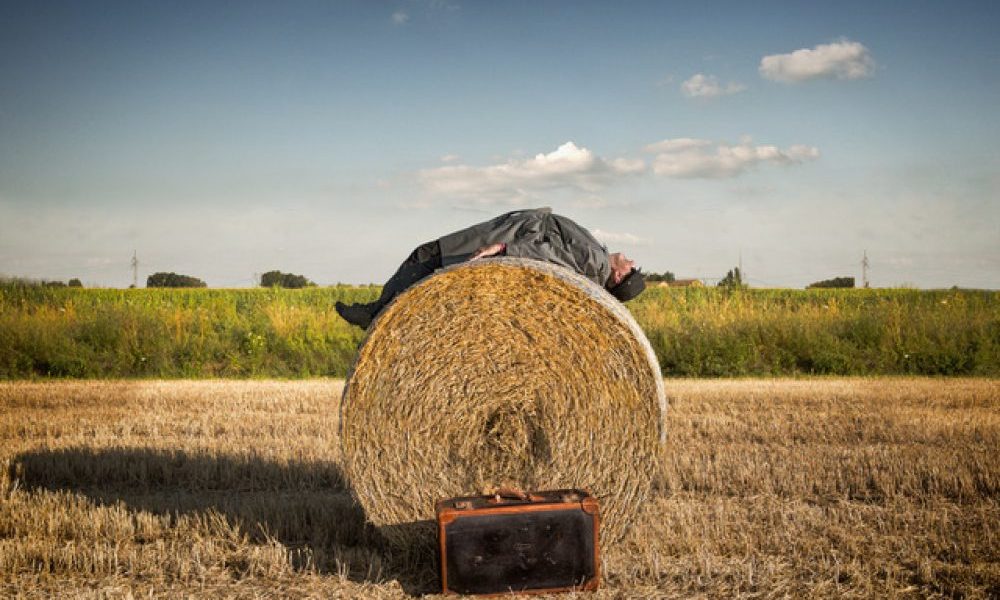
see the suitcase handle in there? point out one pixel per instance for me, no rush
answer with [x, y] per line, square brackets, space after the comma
[512, 493]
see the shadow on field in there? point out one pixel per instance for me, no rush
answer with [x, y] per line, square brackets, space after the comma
[306, 506]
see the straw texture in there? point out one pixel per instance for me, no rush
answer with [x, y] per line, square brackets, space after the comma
[501, 372]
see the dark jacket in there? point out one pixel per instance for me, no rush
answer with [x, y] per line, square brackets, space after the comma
[533, 233]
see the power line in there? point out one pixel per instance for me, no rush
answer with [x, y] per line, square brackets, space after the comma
[135, 270]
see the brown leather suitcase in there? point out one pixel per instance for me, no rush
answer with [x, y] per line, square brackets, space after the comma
[519, 542]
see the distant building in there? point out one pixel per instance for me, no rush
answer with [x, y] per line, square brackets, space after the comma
[682, 283]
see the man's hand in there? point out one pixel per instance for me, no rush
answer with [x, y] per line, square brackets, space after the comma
[491, 250]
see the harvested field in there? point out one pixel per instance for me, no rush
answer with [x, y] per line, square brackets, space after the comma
[768, 488]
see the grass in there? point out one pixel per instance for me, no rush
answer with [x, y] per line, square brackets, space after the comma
[158, 333]
[67, 333]
[857, 487]
[714, 333]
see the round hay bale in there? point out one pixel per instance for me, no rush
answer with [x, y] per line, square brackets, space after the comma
[501, 372]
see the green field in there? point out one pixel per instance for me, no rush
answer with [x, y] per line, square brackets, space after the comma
[696, 332]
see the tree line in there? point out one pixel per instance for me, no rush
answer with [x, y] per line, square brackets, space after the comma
[269, 279]
[732, 280]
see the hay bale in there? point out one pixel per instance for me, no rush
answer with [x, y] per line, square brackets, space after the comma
[501, 372]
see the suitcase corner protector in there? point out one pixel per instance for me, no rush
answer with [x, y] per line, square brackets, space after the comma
[593, 584]
[446, 516]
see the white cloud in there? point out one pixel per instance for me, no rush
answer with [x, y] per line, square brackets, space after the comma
[568, 167]
[693, 158]
[624, 239]
[839, 60]
[676, 145]
[449, 158]
[707, 86]
[400, 17]
[802, 153]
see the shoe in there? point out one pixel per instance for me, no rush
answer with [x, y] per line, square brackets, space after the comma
[355, 314]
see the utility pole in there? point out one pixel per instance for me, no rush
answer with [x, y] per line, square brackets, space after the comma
[864, 270]
[743, 276]
[135, 270]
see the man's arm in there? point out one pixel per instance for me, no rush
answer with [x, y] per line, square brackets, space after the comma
[491, 250]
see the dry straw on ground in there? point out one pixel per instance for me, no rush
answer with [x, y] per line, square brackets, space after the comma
[501, 372]
[857, 488]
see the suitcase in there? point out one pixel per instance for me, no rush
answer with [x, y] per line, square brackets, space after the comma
[519, 542]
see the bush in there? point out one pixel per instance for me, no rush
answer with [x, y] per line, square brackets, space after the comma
[836, 282]
[173, 280]
[733, 280]
[666, 276]
[285, 280]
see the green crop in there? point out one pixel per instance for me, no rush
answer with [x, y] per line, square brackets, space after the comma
[696, 332]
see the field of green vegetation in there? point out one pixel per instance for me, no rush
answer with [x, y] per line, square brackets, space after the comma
[696, 332]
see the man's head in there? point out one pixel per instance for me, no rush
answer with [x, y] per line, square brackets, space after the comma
[625, 281]
[621, 266]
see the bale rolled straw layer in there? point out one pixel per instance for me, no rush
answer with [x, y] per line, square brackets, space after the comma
[501, 372]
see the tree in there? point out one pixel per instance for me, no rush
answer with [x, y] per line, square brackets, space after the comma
[836, 282]
[173, 280]
[75, 283]
[732, 280]
[654, 277]
[285, 280]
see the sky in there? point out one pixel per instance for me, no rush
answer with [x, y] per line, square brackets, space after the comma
[226, 139]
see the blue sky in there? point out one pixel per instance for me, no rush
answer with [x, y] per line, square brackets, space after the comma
[329, 138]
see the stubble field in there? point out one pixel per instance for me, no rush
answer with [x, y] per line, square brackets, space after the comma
[883, 487]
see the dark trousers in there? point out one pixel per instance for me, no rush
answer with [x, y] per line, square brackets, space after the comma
[424, 259]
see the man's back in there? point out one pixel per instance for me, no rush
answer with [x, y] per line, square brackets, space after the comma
[533, 233]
